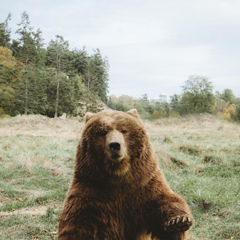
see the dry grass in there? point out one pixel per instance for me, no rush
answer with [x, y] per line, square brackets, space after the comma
[37, 125]
[195, 134]
[198, 154]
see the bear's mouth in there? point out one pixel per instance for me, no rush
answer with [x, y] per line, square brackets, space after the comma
[116, 157]
[116, 161]
[117, 165]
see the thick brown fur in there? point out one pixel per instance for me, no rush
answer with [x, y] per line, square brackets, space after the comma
[118, 192]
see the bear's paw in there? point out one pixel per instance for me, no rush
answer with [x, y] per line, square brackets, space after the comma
[178, 223]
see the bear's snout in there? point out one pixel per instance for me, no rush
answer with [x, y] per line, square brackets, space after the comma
[116, 151]
[115, 147]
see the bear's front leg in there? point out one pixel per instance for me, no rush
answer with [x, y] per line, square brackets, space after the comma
[171, 224]
[169, 217]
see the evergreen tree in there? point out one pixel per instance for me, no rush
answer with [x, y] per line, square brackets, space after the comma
[5, 32]
[95, 75]
[71, 91]
[15, 47]
[51, 91]
[80, 61]
[36, 92]
[101, 73]
[39, 47]
[28, 50]
[56, 57]
[89, 78]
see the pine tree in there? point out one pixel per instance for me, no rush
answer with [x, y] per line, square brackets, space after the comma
[95, 76]
[100, 71]
[56, 56]
[5, 32]
[80, 60]
[28, 50]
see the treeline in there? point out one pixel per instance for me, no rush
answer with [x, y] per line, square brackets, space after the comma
[52, 79]
[48, 79]
[197, 97]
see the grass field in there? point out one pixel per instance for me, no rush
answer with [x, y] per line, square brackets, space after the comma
[199, 155]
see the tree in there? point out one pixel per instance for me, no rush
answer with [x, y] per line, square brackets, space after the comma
[95, 75]
[228, 96]
[28, 51]
[8, 73]
[101, 71]
[36, 90]
[39, 48]
[238, 108]
[29, 47]
[56, 52]
[175, 101]
[29, 42]
[88, 79]
[144, 106]
[145, 101]
[226, 104]
[80, 61]
[71, 91]
[5, 32]
[163, 105]
[197, 95]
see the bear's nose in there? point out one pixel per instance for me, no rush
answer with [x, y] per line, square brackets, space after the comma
[115, 147]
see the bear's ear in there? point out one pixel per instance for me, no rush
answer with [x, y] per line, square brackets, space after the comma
[133, 112]
[88, 115]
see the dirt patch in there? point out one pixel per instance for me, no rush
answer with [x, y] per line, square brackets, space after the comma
[41, 210]
[35, 193]
[36, 125]
[37, 210]
[3, 199]
[25, 194]
[11, 230]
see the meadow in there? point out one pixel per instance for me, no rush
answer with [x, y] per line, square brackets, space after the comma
[199, 155]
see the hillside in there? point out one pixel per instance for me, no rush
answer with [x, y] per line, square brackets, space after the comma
[200, 157]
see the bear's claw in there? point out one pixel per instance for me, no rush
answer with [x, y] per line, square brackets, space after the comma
[179, 223]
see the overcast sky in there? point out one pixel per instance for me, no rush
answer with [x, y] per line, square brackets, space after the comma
[152, 46]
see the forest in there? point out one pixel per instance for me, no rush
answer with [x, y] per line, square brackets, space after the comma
[52, 79]
[47, 79]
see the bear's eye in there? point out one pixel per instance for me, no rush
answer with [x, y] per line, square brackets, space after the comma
[124, 131]
[102, 133]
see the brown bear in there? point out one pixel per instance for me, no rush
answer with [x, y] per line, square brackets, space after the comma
[118, 192]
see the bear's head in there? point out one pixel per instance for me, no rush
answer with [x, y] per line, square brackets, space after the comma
[114, 148]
